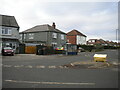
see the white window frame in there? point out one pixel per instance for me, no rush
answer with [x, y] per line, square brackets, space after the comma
[25, 36]
[62, 36]
[54, 35]
[31, 35]
[21, 36]
[93, 40]
[9, 32]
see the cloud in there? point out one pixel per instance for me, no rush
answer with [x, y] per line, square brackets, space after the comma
[91, 18]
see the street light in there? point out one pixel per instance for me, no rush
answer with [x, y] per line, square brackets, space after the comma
[117, 35]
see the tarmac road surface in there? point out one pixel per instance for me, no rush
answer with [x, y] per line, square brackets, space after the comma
[31, 71]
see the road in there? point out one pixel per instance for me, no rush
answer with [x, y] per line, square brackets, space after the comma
[31, 71]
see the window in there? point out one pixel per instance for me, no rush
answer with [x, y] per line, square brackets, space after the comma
[93, 40]
[24, 36]
[54, 43]
[6, 31]
[54, 35]
[20, 36]
[31, 36]
[62, 36]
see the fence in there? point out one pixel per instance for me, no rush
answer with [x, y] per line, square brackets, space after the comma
[30, 49]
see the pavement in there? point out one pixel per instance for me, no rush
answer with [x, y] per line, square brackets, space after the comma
[49, 71]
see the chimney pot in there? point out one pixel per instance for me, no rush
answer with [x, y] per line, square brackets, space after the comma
[53, 25]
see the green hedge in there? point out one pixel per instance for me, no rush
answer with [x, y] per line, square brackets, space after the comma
[110, 47]
[96, 47]
[87, 47]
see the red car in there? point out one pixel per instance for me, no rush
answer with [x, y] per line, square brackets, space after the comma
[7, 51]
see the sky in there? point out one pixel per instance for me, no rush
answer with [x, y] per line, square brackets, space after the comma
[95, 19]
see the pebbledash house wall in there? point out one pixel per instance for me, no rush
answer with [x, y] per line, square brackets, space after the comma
[58, 40]
[38, 37]
[14, 35]
[44, 37]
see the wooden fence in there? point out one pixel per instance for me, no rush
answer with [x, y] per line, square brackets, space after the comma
[30, 49]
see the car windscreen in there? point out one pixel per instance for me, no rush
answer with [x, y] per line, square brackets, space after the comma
[9, 48]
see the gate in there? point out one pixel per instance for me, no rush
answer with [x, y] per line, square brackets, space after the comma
[30, 49]
[21, 48]
[44, 50]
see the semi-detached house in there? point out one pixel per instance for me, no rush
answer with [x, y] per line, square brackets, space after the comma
[76, 37]
[43, 35]
[9, 32]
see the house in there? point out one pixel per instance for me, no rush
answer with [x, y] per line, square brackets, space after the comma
[96, 42]
[111, 43]
[100, 42]
[76, 37]
[9, 32]
[43, 35]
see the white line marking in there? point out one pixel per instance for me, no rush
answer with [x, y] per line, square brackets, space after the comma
[40, 66]
[29, 66]
[7, 66]
[61, 67]
[18, 66]
[63, 83]
[51, 66]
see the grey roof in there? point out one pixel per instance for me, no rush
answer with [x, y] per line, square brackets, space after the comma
[9, 21]
[40, 28]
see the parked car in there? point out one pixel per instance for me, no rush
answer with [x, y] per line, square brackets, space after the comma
[7, 51]
[81, 49]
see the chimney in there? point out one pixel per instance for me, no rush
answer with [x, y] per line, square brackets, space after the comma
[53, 25]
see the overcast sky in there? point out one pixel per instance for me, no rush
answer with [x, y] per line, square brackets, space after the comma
[94, 19]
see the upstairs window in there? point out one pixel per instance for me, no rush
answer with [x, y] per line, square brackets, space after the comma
[54, 35]
[31, 36]
[62, 37]
[6, 31]
[89, 41]
[93, 40]
[20, 36]
[24, 36]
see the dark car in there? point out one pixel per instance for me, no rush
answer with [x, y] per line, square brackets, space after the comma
[7, 51]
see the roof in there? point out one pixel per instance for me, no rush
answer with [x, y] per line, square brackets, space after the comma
[92, 39]
[97, 41]
[9, 21]
[40, 28]
[75, 32]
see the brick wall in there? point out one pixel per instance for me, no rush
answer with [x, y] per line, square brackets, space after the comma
[71, 39]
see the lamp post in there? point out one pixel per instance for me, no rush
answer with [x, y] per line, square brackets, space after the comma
[117, 35]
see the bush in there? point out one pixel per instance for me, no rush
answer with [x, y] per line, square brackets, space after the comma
[87, 47]
[99, 48]
[110, 47]
[58, 51]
